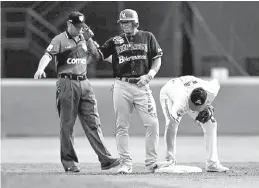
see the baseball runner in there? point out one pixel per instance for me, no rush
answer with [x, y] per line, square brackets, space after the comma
[136, 58]
[74, 94]
[189, 94]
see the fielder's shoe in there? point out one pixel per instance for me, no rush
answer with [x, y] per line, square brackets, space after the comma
[152, 168]
[111, 164]
[125, 169]
[215, 167]
[171, 162]
[72, 168]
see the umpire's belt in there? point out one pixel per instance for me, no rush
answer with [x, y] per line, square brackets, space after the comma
[73, 77]
[129, 80]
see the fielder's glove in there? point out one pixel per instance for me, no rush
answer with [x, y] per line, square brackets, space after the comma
[205, 115]
[88, 33]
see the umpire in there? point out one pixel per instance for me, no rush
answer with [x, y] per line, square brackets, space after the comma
[71, 50]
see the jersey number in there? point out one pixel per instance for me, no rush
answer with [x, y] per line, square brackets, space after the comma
[191, 82]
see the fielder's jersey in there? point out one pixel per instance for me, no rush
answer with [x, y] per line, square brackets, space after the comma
[70, 56]
[179, 91]
[132, 56]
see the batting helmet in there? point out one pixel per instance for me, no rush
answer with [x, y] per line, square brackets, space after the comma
[129, 15]
[198, 96]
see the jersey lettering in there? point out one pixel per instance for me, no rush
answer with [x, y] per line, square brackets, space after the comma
[128, 47]
[76, 61]
[123, 59]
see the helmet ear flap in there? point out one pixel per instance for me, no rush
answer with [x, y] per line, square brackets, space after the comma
[135, 24]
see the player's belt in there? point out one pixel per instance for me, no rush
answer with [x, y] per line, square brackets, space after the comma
[129, 80]
[73, 77]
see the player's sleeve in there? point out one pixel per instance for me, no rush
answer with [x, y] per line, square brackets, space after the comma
[106, 49]
[212, 88]
[155, 49]
[53, 48]
[179, 98]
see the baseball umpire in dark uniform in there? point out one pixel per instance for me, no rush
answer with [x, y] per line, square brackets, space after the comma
[72, 50]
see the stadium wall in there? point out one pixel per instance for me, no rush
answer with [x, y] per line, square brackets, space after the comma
[28, 108]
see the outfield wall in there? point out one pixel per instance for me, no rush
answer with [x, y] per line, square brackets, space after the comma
[28, 108]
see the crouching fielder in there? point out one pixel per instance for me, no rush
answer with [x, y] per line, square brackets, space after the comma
[188, 94]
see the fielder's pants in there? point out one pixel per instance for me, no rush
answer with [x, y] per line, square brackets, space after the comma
[126, 97]
[171, 128]
[77, 98]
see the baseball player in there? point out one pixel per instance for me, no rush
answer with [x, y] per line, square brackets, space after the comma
[74, 94]
[136, 58]
[189, 94]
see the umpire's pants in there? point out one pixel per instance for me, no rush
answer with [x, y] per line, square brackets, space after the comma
[77, 98]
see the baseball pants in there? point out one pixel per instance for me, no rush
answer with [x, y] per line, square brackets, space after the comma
[126, 97]
[171, 128]
[77, 98]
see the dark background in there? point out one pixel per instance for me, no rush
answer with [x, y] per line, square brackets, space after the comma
[195, 36]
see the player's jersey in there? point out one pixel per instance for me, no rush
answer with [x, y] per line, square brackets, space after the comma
[179, 91]
[70, 56]
[132, 56]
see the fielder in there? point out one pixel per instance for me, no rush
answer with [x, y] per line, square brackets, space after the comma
[136, 58]
[188, 94]
[72, 50]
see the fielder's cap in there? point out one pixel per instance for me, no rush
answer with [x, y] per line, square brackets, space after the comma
[77, 19]
[198, 96]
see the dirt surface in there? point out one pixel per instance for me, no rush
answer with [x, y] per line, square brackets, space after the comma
[52, 175]
[34, 163]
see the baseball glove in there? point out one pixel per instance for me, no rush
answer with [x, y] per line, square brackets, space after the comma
[88, 33]
[205, 115]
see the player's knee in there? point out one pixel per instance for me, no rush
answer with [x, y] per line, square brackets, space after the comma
[210, 126]
[122, 127]
[172, 125]
[152, 122]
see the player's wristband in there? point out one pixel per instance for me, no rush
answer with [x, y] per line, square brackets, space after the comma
[152, 73]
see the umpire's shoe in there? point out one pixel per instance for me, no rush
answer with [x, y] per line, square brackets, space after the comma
[111, 164]
[72, 168]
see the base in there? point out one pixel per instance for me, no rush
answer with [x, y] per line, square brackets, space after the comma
[179, 169]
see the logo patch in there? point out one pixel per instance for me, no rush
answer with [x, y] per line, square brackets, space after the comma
[180, 112]
[84, 47]
[198, 102]
[50, 47]
[118, 40]
[81, 18]
[123, 15]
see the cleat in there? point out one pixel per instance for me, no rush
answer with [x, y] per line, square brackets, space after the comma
[111, 164]
[171, 162]
[215, 167]
[124, 169]
[73, 168]
[152, 168]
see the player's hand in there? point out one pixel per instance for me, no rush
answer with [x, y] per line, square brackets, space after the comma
[144, 80]
[88, 33]
[40, 74]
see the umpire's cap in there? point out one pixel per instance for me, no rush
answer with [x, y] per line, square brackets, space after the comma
[198, 96]
[77, 19]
